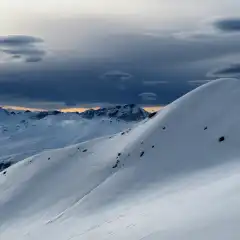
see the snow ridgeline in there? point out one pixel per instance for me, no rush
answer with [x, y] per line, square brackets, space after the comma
[174, 176]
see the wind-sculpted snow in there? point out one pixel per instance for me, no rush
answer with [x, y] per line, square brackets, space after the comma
[174, 176]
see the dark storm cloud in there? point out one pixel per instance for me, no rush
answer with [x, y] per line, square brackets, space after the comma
[120, 78]
[25, 48]
[70, 104]
[130, 68]
[33, 59]
[148, 96]
[17, 40]
[166, 52]
[154, 83]
[212, 29]
[81, 86]
[232, 70]
[198, 82]
[116, 75]
[26, 51]
[228, 25]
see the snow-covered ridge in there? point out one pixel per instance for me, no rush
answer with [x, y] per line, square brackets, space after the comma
[173, 176]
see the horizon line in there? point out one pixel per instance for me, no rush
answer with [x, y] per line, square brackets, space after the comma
[73, 109]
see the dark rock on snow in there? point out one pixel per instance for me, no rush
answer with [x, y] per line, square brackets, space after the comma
[142, 153]
[221, 139]
[4, 165]
[116, 164]
[151, 115]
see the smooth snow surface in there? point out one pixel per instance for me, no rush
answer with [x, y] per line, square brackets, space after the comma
[169, 178]
[21, 136]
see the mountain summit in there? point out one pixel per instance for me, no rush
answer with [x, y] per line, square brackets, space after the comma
[128, 112]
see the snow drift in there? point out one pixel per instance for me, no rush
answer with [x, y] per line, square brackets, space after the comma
[174, 176]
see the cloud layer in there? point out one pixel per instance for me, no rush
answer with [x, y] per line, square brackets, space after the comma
[228, 25]
[232, 70]
[148, 96]
[18, 40]
[111, 61]
[23, 48]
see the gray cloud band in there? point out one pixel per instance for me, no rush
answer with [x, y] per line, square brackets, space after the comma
[22, 48]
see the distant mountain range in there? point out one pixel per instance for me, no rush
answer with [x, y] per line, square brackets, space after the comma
[127, 112]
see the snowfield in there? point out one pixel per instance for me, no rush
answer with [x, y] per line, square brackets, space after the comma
[21, 136]
[174, 176]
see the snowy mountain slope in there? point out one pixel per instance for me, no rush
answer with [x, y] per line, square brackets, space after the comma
[175, 176]
[23, 137]
[23, 134]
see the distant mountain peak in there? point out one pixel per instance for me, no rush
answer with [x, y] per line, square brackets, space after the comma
[127, 112]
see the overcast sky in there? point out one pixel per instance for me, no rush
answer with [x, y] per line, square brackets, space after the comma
[67, 53]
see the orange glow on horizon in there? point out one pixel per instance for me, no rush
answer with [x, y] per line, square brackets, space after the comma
[76, 109]
[19, 108]
[153, 108]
